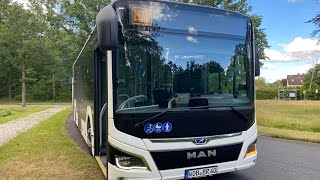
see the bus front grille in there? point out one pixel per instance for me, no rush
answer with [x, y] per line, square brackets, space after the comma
[196, 157]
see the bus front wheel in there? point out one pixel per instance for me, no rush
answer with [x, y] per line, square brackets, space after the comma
[90, 138]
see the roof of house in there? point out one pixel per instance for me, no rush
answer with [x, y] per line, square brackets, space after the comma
[295, 80]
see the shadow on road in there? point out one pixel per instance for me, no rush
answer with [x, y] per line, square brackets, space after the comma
[75, 134]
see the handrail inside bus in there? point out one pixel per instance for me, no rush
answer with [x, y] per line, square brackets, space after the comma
[103, 109]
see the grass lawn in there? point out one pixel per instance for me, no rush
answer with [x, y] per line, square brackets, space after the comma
[289, 119]
[47, 152]
[8, 113]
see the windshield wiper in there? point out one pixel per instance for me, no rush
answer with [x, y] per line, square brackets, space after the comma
[231, 107]
[245, 117]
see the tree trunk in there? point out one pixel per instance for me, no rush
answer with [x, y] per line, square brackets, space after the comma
[23, 95]
[53, 87]
[9, 87]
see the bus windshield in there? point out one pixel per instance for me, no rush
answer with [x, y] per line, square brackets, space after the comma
[163, 67]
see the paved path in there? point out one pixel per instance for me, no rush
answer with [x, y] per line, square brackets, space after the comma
[13, 128]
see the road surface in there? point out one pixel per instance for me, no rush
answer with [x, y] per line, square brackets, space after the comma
[278, 159]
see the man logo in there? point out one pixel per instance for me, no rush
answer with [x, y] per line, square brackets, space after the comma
[200, 141]
[201, 154]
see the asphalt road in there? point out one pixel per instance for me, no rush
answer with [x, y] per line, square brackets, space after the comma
[278, 159]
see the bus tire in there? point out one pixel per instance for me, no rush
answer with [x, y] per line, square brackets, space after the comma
[90, 138]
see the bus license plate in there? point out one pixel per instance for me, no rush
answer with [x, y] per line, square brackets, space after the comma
[203, 172]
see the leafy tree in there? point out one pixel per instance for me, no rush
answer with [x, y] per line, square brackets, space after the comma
[277, 84]
[22, 37]
[81, 14]
[261, 83]
[312, 81]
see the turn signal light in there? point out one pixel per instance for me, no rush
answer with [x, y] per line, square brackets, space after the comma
[252, 149]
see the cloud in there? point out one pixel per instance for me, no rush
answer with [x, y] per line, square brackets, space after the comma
[25, 3]
[298, 50]
[189, 57]
[192, 39]
[275, 55]
[192, 30]
[268, 66]
[273, 71]
[304, 68]
[166, 57]
[162, 13]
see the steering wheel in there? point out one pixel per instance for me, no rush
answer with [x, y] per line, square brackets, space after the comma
[135, 99]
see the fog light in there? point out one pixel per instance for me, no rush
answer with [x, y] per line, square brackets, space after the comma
[129, 162]
[252, 149]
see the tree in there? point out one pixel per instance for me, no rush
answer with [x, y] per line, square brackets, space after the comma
[81, 14]
[261, 83]
[316, 22]
[243, 7]
[22, 37]
[312, 81]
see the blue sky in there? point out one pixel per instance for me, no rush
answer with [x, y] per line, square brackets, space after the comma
[293, 50]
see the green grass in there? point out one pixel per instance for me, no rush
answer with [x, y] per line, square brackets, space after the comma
[8, 113]
[297, 120]
[34, 102]
[47, 152]
[290, 115]
[289, 134]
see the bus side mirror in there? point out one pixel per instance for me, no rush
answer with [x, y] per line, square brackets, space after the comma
[107, 28]
[256, 62]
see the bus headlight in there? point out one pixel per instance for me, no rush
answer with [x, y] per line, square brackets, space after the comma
[129, 162]
[252, 149]
[126, 160]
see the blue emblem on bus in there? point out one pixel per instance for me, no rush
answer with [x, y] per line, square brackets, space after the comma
[158, 127]
[148, 128]
[167, 127]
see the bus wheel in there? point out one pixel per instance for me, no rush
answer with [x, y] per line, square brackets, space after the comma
[90, 138]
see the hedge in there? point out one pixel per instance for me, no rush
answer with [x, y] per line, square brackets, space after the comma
[264, 94]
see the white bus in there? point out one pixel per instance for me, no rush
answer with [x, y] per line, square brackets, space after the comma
[165, 90]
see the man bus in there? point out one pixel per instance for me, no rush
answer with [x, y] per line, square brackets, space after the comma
[165, 90]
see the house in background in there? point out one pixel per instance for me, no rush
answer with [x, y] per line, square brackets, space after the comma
[293, 80]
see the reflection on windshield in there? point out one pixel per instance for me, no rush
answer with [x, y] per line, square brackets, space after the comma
[165, 62]
[159, 71]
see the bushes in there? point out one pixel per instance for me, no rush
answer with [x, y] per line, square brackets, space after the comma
[264, 94]
[271, 94]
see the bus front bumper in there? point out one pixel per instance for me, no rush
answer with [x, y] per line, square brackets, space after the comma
[116, 173]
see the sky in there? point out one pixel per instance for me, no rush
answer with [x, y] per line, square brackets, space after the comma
[293, 50]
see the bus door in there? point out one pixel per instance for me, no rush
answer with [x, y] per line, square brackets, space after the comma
[100, 99]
